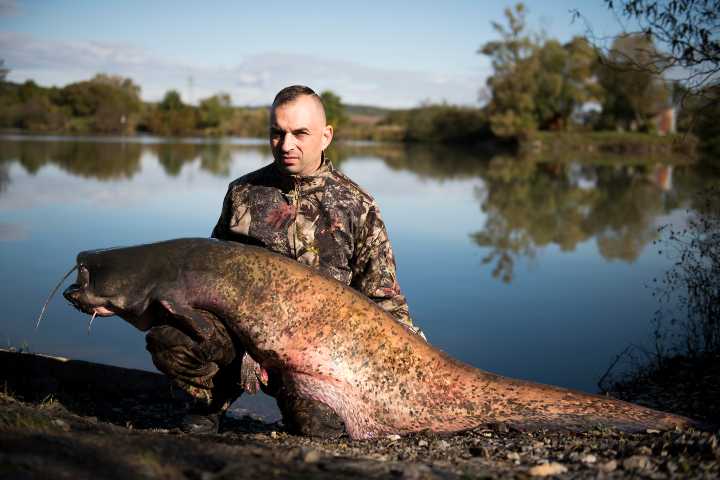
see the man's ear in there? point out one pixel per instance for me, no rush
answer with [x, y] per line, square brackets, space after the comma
[327, 136]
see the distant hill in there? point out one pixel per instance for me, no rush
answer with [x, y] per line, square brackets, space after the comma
[367, 110]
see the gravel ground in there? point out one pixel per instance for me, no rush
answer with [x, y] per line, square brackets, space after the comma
[84, 433]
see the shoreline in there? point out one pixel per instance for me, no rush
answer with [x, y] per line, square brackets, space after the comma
[543, 142]
[69, 419]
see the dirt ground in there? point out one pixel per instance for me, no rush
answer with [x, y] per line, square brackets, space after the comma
[69, 419]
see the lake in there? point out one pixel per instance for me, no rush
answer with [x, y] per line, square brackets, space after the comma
[528, 268]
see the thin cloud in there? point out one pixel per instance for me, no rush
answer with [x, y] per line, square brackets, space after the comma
[8, 8]
[254, 80]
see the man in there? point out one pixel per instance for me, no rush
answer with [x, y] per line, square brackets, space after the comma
[301, 207]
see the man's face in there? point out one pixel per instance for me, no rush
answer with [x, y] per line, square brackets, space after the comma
[298, 135]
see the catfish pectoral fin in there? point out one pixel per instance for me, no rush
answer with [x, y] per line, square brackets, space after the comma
[189, 320]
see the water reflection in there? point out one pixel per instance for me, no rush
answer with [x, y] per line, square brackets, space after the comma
[435, 162]
[111, 161]
[103, 161]
[214, 157]
[585, 222]
[529, 203]
[4, 177]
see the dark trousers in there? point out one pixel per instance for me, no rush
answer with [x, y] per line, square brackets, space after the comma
[209, 370]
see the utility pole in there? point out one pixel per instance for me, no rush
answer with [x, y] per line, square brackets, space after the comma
[191, 96]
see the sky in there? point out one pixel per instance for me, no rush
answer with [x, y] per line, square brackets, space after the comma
[384, 53]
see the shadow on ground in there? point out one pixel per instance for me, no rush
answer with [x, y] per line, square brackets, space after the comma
[68, 419]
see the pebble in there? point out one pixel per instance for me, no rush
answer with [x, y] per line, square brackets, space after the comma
[636, 462]
[545, 469]
[608, 467]
[62, 424]
[479, 451]
[394, 437]
[589, 459]
[311, 456]
[273, 434]
[442, 445]
[644, 450]
[422, 443]
[513, 456]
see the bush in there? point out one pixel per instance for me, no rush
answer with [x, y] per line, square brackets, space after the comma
[691, 287]
[446, 124]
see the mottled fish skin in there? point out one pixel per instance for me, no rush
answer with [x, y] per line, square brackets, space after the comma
[332, 344]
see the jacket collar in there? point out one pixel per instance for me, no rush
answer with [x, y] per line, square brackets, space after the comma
[304, 183]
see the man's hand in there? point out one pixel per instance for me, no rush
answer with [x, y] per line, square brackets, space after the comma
[252, 375]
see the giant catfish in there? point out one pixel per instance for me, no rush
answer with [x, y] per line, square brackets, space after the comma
[330, 343]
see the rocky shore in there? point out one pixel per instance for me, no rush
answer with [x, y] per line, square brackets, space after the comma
[68, 419]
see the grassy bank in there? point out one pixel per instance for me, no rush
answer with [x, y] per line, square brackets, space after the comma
[563, 145]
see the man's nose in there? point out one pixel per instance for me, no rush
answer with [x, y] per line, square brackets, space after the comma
[288, 142]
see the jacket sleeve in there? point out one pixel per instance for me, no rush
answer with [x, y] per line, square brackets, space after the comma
[221, 230]
[374, 271]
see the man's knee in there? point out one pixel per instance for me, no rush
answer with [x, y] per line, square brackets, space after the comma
[205, 371]
[177, 354]
[303, 416]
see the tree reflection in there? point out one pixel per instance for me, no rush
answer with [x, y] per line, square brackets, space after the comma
[4, 176]
[100, 160]
[427, 161]
[530, 205]
[173, 156]
[112, 160]
[623, 217]
[215, 158]
[529, 202]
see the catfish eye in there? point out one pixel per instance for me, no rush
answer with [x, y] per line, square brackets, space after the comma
[83, 274]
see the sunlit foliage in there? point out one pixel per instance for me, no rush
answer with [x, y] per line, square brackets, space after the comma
[632, 95]
[334, 109]
[537, 83]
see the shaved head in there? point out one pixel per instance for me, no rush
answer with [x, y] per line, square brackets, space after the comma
[292, 93]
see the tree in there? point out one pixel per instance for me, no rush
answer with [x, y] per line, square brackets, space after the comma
[107, 104]
[536, 83]
[512, 85]
[446, 124]
[688, 29]
[3, 71]
[334, 109]
[121, 83]
[215, 110]
[171, 101]
[632, 95]
[565, 80]
[705, 112]
[172, 116]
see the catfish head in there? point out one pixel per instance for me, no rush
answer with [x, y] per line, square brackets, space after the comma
[120, 281]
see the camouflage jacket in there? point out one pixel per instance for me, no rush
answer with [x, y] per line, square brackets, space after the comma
[325, 221]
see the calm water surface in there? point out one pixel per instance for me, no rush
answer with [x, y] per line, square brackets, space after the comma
[530, 269]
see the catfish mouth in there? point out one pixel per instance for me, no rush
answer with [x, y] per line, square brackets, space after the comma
[78, 296]
[82, 298]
